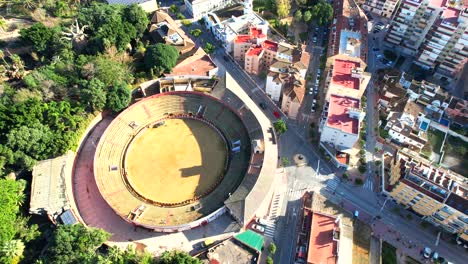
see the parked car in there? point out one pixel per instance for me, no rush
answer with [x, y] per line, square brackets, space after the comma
[258, 228]
[301, 252]
[226, 58]
[314, 101]
[311, 91]
[375, 49]
[435, 256]
[261, 221]
[262, 105]
[379, 56]
[427, 252]
[316, 89]
[314, 40]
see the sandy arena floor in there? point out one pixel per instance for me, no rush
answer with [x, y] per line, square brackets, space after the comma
[175, 162]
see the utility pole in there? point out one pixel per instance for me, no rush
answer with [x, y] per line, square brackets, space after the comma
[317, 172]
[383, 205]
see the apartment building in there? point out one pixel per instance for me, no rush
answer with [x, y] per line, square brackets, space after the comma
[457, 112]
[348, 34]
[439, 196]
[434, 32]
[341, 122]
[293, 95]
[384, 8]
[226, 31]
[403, 130]
[345, 76]
[198, 8]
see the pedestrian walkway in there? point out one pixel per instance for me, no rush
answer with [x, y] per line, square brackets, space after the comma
[270, 229]
[332, 184]
[296, 194]
[368, 184]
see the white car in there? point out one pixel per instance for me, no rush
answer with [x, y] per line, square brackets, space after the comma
[258, 228]
[379, 56]
[427, 252]
[311, 92]
[261, 221]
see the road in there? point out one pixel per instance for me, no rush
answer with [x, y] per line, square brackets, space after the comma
[294, 141]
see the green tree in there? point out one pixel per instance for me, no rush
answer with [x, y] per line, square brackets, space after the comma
[33, 140]
[174, 9]
[283, 7]
[177, 257]
[118, 97]
[301, 2]
[209, 48]
[272, 248]
[161, 58]
[11, 192]
[322, 12]
[41, 38]
[307, 16]
[74, 244]
[269, 260]
[298, 16]
[280, 126]
[93, 94]
[134, 15]
[11, 251]
[106, 70]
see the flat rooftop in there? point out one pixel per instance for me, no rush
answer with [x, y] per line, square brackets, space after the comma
[243, 38]
[338, 114]
[256, 33]
[322, 247]
[231, 250]
[341, 75]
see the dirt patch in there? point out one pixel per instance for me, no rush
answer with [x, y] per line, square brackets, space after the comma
[361, 243]
[177, 161]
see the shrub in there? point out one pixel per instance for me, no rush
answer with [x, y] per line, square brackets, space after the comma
[362, 169]
[180, 16]
[186, 22]
[269, 260]
[272, 248]
[358, 181]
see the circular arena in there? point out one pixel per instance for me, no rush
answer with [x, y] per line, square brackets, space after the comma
[170, 161]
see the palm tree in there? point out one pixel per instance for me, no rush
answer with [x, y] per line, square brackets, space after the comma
[75, 34]
[12, 251]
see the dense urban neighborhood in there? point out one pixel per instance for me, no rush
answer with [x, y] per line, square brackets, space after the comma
[234, 131]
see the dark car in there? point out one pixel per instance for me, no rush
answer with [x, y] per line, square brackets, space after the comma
[226, 58]
[375, 49]
[262, 105]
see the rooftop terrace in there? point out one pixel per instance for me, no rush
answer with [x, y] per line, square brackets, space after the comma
[341, 75]
[338, 114]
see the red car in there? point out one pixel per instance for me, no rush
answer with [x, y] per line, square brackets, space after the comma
[276, 114]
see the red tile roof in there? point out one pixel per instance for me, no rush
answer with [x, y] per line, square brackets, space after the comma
[322, 247]
[342, 74]
[270, 45]
[338, 115]
[197, 64]
[256, 33]
[254, 51]
[243, 38]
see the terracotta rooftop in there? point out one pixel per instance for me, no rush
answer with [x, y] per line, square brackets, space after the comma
[270, 45]
[342, 74]
[254, 51]
[295, 88]
[243, 39]
[450, 15]
[338, 114]
[256, 33]
[322, 247]
[197, 64]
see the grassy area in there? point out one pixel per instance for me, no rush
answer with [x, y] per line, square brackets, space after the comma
[435, 139]
[456, 155]
[388, 254]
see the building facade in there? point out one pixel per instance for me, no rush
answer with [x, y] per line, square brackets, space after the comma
[439, 196]
[434, 32]
[199, 8]
[383, 8]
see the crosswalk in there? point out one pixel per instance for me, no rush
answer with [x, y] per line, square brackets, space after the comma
[270, 228]
[296, 193]
[368, 184]
[332, 184]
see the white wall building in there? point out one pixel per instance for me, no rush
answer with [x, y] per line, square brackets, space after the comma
[148, 6]
[199, 8]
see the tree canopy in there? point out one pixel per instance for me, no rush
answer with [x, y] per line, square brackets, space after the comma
[322, 12]
[280, 126]
[112, 25]
[161, 58]
[119, 97]
[283, 7]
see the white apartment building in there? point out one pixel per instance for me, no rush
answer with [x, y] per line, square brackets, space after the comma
[434, 32]
[199, 8]
[148, 6]
[383, 8]
[341, 122]
[401, 129]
